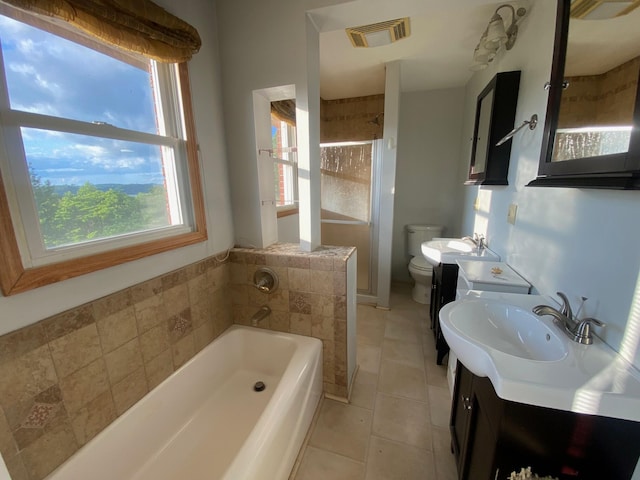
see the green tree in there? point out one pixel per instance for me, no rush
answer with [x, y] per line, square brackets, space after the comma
[47, 201]
[92, 214]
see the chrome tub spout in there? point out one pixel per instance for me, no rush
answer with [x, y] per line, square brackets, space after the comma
[261, 314]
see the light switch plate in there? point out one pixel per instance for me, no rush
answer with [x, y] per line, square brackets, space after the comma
[511, 214]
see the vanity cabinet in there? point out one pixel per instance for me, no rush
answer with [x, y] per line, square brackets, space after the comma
[443, 291]
[492, 437]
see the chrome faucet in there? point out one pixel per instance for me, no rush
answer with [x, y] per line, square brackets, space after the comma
[261, 314]
[577, 330]
[478, 240]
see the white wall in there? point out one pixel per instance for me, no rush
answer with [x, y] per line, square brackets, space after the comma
[23, 309]
[579, 241]
[289, 229]
[427, 186]
[265, 45]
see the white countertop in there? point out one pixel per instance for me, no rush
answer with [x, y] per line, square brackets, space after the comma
[590, 379]
[498, 273]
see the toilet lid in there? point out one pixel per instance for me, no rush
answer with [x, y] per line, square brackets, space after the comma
[420, 263]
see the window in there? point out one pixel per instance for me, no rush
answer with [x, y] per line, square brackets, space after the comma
[98, 156]
[283, 137]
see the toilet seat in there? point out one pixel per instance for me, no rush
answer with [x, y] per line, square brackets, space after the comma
[420, 264]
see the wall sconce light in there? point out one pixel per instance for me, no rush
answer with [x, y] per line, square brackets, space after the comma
[496, 35]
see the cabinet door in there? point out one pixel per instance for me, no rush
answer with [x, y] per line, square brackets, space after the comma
[459, 422]
[481, 444]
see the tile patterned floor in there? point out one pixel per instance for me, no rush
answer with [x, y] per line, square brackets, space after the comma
[396, 427]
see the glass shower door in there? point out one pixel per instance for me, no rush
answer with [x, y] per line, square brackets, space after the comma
[347, 189]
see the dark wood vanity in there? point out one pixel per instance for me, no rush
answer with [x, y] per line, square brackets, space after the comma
[443, 290]
[492, 437]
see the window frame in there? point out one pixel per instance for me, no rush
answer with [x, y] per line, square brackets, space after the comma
[291, 132]
[15, 277]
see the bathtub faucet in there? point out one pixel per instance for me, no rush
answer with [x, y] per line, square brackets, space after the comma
[261, 314]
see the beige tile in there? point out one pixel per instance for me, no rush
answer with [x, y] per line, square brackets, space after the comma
[149, 313]
[75, 350]
[322, 327]
[402, 380]
[239, 275]
[321, 282]
[180, 325]
[159, 368]
[328, 361]
[402, 352]
[318, 464]
[402, 420]
[107, 306]
[279, 321]
[142, 291]
[436, 374]
[439, 405]
[16, 468]
[368, 358]
[69, 321]
[7, 445]
[173, 279]
[26, 376]
[84, 385]
[203, 336]
[128, 391]
[16, 344]
[403, 332]
[117, 329]
[299, 279]
[183, 350]
[363, 393]
[370, 330]
[321, 263]
[45, 454]
[123, 361]
[321, 305]
[339, 283]
[340, 307]
[93, 417]
[279, 300]
[154, 341]
[300, 324]
[198, 289]
[342, 429]
[176, 299]
[298, 261]
[445, 460]
[388, 460]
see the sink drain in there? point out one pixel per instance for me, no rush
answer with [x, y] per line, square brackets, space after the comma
[259, 386]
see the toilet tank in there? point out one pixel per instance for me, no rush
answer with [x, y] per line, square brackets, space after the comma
[417, 234]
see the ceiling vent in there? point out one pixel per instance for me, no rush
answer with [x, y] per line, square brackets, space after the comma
[378, 34]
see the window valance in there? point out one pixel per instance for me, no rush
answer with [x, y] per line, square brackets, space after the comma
[138, 26]
[285, 110]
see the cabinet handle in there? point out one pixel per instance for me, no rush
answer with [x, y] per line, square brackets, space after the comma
[466, 402]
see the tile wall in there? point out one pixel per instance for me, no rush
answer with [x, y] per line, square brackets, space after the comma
[311, 299]
[349, 119]
[65, 378]
[606, 99]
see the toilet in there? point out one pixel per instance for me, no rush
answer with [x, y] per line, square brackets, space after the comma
[420, 270]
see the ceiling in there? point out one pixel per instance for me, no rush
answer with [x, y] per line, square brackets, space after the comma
[436, 55]
[439, 50]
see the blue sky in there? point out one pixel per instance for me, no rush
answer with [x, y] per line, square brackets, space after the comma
[49, 75]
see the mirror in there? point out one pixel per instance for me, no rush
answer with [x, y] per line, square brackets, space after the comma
[495, 116]
[592, 136]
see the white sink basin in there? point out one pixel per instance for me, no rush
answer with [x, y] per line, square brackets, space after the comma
[448, 250]
[530, 360]
[475, 327]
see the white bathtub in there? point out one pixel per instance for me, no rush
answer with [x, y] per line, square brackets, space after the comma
[207, 422]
